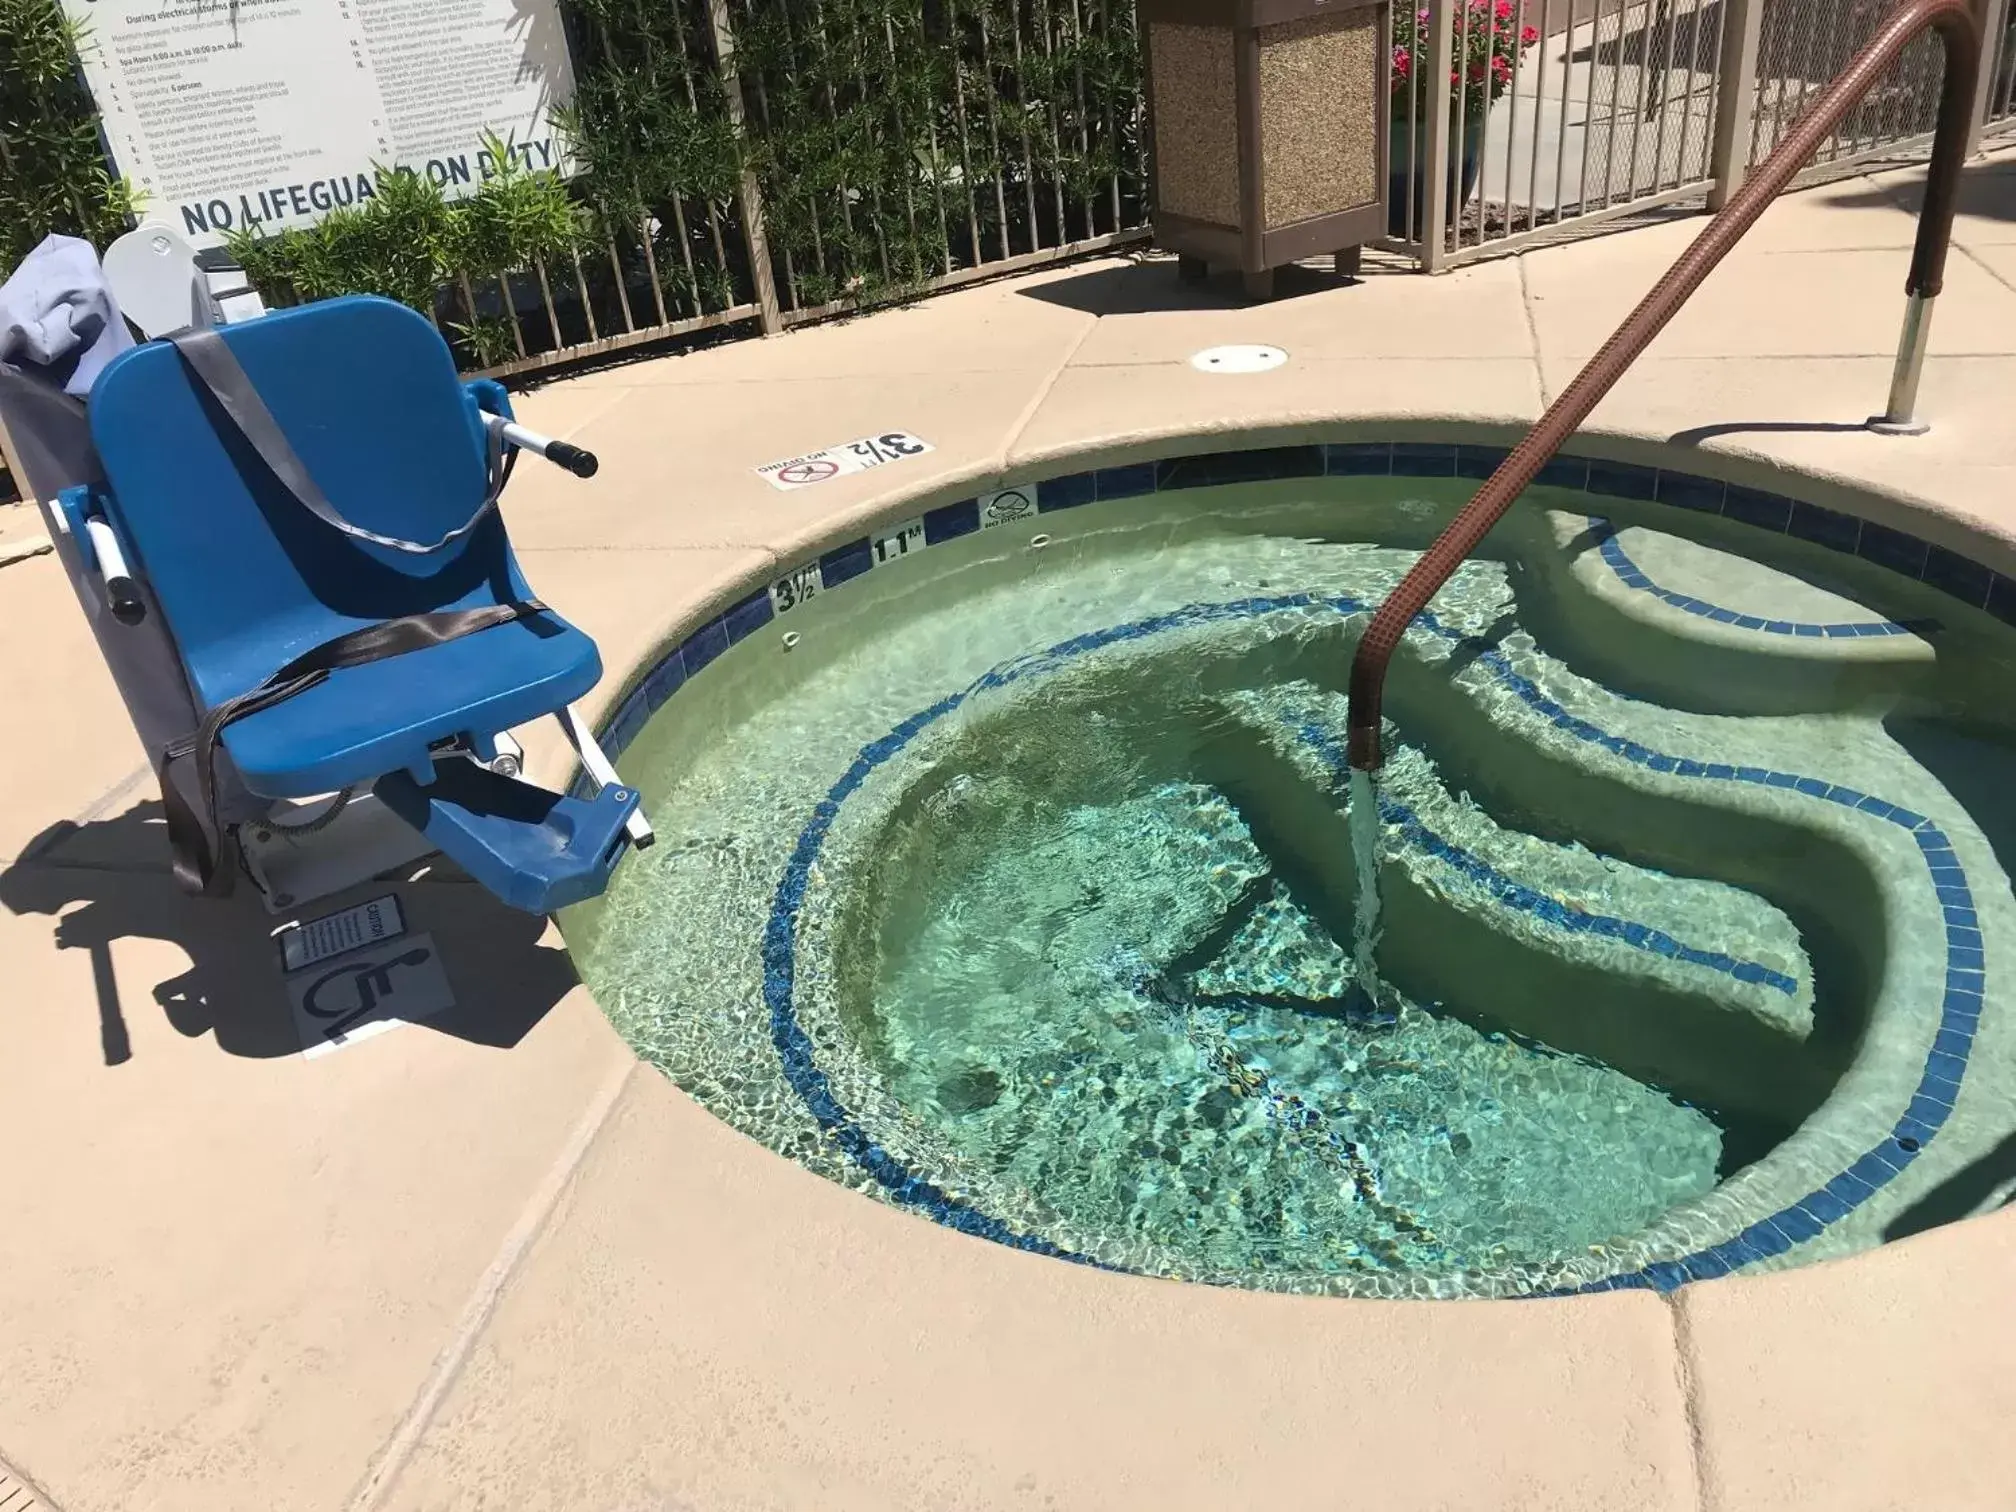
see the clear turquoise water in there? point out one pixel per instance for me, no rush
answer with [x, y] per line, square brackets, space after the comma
[1077, 954]
[1120, 1006]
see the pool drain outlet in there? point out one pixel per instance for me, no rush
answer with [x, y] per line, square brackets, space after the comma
[1238, 359]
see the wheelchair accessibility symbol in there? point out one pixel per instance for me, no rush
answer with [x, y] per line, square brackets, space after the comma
[366, 992]
[365, 986]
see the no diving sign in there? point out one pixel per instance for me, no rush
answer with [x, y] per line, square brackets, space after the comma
[837, 461]
[812, 470]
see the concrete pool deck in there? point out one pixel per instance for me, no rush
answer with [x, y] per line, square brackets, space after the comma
[491, 1261]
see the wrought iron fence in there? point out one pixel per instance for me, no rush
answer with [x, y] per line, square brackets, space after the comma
[754, 164]
[770, 162]
[1562, 114]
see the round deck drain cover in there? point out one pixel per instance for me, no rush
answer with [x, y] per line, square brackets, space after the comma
[1238, 359]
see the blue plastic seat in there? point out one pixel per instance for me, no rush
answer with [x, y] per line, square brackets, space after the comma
[248, 574]
[367, 393]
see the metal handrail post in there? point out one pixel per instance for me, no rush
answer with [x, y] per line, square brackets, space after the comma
[1935, 233]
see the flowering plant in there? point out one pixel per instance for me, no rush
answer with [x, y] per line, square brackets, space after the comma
[1489, 37]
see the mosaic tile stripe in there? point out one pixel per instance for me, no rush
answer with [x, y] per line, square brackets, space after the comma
[1958, 577]
[1633, 576]
[1952, 574]
[1518, 895]
[1932, 1103]
[780, 935]
[1948, 571]
[1945, 1063]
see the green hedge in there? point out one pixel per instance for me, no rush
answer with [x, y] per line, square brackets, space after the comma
[52, 166]
[409, 239]
[893, 141]
[898, 140]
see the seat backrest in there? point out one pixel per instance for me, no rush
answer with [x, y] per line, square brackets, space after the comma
[366, 392]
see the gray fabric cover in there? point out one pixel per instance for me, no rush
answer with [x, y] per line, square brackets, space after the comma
[59, 326]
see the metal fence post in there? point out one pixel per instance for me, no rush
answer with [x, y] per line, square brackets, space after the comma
[1735, 98]
[1994, 27]
[1435, 183]
[748, 194]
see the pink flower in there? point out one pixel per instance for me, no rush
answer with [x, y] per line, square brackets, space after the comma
[1402, 61]
[1501, 70]
[1528, 37]
[1503, 10]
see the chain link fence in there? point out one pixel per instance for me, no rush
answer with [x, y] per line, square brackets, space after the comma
[1630, 108]
[1803, 44]
[2000, 109]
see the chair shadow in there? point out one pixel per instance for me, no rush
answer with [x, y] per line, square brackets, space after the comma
[1959, 1195]
[107, 882]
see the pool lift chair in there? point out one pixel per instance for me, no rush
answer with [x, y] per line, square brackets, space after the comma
[303, 507]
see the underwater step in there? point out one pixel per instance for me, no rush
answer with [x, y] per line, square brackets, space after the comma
[1148, 1027]
[968, 903]
[1690, 984]
[1703, 627]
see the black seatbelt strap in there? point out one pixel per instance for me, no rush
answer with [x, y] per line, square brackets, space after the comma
[216, 367]
[198, 862]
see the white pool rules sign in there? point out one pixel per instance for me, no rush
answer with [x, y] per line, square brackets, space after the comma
[268, 114]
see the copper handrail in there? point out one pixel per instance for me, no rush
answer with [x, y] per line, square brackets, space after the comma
[1954, 20]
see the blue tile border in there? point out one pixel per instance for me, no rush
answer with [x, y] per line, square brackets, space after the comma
[1358, 459]
[1760, 510]
[1124, 482]
[1623, 480]
[1423, 459]
[1527, 900]
[1804, 1219]
[1966, 581]
[843, 563]
[1825, 527]
[1632, 576]
[1067, 492]
[1213, 469]
[951, 521]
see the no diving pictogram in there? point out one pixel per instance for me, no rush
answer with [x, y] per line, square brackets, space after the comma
[798, 474]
